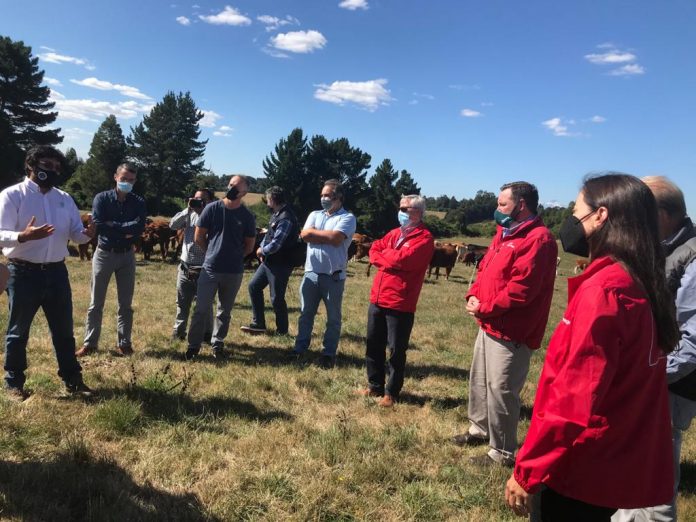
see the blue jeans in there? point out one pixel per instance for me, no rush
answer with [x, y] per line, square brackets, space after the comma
[28, 290]
[275, 276]
[313, 289]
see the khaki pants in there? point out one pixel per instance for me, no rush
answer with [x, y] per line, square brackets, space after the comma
[498, 373]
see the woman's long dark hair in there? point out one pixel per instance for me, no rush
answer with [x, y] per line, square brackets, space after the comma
[630, 235]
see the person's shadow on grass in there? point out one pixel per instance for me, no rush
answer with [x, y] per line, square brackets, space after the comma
[75, 485]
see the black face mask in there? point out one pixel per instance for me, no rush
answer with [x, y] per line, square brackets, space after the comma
[573, 238]
[46, 178]
[232, 193]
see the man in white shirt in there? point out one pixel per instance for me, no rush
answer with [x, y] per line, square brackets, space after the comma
[38, 276]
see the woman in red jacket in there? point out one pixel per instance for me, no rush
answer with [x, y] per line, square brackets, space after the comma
[600, 437]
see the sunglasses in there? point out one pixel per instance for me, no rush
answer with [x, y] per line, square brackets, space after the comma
[405, 209]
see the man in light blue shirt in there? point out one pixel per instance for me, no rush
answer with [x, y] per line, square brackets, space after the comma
[328, 234]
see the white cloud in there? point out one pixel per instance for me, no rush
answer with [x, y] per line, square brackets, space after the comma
[228, 16]
[225, 128]
[52, 81]
[612, 56]
[195, 6]
[352, 5]
[95, 110]
[425, 96]
[102, 85]
[53, 57]
[183, 20]
[299, 41]
[556, 126]
[368, 95]
[598, 119]
[628, 70]
[222, 134]
[210, 119]
[273, 22]
[470, 113]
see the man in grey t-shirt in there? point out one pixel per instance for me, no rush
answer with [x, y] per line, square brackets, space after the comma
[226, 232]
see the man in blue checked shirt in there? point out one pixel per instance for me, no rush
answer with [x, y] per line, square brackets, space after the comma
[328, 234]
[276, 264]
[192, 258]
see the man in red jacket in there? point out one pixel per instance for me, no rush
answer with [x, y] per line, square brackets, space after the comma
[402, 256]
[510, 299]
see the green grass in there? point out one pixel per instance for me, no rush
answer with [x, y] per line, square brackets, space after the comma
[255, 438]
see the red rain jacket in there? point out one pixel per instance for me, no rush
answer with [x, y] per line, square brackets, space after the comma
[600, 431]
[401, 269]
[515, 284]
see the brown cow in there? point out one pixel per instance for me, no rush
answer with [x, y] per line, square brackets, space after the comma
[156, 233]
[444, 256]
[83, 249]
[580, 265]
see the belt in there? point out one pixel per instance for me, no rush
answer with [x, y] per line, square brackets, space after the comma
[116, 250]
[35, 266]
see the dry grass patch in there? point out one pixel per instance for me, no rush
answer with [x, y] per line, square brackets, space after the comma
[254, 438]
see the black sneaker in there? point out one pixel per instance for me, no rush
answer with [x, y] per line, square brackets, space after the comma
[254, 328]
[190, 355]
[219, 354]
[325, 362]
[16, 394]
[79, 389]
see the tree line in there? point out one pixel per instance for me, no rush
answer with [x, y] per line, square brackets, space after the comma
[167, 149]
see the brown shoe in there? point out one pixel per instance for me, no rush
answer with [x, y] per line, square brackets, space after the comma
[386, 402]
[467, 439]
[126, 350]
[367, 392]
[86, 350]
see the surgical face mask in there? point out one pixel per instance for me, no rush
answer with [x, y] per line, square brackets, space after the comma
[572, 235]
[505, 220]
[326, 203]
[232, 193]
[124, 186]
[46, 178]
[403, 218]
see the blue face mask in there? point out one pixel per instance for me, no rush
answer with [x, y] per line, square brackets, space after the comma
[124, 186]
[403, 218]
[326, 203]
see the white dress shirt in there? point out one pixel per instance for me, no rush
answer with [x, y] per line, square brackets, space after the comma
[19, 203]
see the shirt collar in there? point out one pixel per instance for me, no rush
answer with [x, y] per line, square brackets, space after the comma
[341, 210]
[32, 185]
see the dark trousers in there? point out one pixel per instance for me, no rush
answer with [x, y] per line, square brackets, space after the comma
[275, 276]
[558, 508]
[387, 329]
[28, 290]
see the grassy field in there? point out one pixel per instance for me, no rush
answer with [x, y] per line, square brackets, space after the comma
[254, 438]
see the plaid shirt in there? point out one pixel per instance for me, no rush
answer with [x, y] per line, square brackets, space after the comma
[191, 253]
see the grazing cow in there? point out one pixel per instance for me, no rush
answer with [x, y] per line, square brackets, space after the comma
[354, 247]
[580, 265]
[156, 233]
[83, 249]
[444, 256]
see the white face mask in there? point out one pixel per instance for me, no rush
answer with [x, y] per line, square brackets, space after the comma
[326, 203]
[124, 186]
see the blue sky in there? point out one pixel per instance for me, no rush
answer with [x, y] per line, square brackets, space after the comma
[465, 95]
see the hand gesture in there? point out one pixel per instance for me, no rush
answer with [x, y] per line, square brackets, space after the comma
[31, 233]
[473, 305]
[91, 229]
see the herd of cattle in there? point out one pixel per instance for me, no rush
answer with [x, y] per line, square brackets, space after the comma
[158, 233]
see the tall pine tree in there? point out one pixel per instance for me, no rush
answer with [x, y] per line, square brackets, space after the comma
[24, 109]
[381, 208]
[167, 149]
[405, 185]
[106, 153]
[285, 167]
